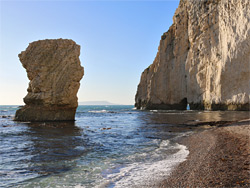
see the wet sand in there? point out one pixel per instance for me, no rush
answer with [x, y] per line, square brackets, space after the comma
[219, 157]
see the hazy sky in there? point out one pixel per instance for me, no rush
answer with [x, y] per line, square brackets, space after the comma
[118, 40]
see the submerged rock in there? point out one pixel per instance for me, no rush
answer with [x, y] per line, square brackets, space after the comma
[203, 60]
[54, 71]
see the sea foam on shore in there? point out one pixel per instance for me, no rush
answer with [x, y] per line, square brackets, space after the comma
[149, 173]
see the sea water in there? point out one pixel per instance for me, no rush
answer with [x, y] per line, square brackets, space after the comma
[107, 146]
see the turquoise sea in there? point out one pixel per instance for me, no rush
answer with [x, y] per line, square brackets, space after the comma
[107, 146]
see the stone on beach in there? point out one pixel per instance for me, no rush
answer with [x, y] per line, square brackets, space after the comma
[54, 70]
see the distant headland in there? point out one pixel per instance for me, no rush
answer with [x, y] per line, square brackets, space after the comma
[96, 103]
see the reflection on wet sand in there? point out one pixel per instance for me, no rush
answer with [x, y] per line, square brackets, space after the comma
[165, 124]
[187, 117]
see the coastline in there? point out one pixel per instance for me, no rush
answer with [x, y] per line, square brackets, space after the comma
[219, 157]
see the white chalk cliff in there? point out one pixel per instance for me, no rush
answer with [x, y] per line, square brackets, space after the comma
[203, 60]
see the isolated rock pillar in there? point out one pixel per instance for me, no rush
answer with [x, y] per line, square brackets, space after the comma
[54, 70]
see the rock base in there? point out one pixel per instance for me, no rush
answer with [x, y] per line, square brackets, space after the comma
[182, 105]
[42, 113]
[220, 106]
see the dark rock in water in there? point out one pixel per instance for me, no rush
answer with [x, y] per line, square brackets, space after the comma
[54, 71]
[45, 113]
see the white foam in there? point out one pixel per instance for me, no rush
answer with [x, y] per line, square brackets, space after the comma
[103, 185]
[98, 111]
[164, 143]
[79, 186]
[146, 174]
[153, 110]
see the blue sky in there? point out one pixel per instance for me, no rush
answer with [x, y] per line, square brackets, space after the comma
[118, 40]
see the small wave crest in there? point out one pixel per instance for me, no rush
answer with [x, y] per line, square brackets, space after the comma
[147, 173]
[102, 111]
[98, 111]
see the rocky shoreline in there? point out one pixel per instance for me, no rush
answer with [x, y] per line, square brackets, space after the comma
[219, 157]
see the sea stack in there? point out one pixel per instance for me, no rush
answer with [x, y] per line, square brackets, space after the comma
[203, 60]
[54, 70]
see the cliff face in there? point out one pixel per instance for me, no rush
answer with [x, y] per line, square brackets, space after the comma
[203, 60]
[54, 71]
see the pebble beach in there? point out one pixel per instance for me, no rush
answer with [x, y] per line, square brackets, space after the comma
[219, 157]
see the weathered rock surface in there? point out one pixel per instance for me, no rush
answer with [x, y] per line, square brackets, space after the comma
[203, 60]
[54, 71]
